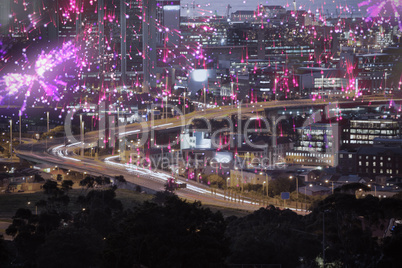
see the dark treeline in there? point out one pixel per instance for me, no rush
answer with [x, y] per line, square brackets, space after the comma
[169, 232]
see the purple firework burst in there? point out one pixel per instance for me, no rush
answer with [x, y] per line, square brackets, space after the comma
[16, 83]
[375, 7]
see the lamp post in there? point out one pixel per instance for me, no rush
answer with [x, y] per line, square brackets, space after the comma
[227, 187]
[205, 99]
[20, 123]
[184, 102]
[47, 126]
[47, 116]
[81, 136]
[297, 186]
[11, 138]
[241, 180]
[323, 239]
[305, 196]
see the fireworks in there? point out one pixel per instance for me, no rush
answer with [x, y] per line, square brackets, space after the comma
[16, 83]
[375, 7]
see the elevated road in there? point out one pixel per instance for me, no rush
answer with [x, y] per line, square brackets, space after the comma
[91, 138]
[58, 154]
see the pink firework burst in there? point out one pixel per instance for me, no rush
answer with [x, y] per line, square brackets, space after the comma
[375, 7]
[16, 83]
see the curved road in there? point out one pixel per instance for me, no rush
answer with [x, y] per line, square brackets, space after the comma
[59, 154]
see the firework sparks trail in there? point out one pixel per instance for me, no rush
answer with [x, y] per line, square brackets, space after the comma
[16, 83]
[375, 7]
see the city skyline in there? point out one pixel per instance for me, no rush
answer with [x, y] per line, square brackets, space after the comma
[124, 123]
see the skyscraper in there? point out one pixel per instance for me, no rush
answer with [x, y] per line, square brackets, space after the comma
[5, 13]
[117, 39]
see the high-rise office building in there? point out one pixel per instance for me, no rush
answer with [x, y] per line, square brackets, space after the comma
[5, 12]
[117, 39]
[168, 23]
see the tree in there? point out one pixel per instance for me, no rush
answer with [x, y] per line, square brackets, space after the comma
[178, 234]
[392, 247]
[216, 181]
[88, 181]
[67, 185]
[351, 188]
[56, 197]
[29, 232]
[70, 247]
[281, 184]
[345, 239]
[161, 197]
[99, 210]
[120, 179]
[50, 187]
[271, 236]
[4, 252]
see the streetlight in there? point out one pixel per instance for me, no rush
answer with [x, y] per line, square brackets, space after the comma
[20, 123]
[47, 126]
[305, 195]
[82, 136]
[297, 186]
[184, 102]
[11, 138]
[205, 99]
[326, 181]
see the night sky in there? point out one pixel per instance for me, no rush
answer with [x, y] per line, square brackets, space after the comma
[220, 6]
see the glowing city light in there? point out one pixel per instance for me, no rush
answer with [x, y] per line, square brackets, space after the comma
[16, 84]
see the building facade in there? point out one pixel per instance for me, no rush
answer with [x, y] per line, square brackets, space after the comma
[316, 145]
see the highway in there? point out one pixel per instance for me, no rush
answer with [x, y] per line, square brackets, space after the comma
[220, 112]
[61, 155]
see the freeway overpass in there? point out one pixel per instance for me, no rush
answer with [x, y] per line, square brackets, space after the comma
[63, 155]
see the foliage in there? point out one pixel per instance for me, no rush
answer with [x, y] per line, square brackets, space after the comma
[177, 234]
[67, 185]
[271, 236]
[55, 132]
[169, 232]
[120, 179]
[281, 184]
[4, 252]
[216, 181]
[392, 249]
[70, 247]
[29, 231]
[88, 181]
[352, 188]
[161, 197]
[347, 241]
[99, 208]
